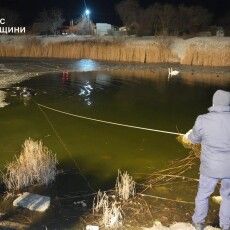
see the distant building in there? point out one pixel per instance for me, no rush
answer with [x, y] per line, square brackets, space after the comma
[103, 29]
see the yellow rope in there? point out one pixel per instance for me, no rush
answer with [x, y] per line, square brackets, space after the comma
[167, 199]
[109, 122]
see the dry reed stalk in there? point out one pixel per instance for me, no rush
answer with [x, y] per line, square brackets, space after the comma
[177, 168]
[157, 51]
[125, 186]
[110, 212]
[97, 50]
[36, 164]
[195, 148]
[112, 216]
[101, 200]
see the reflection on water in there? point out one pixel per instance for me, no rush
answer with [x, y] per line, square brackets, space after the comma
[190, 78]
[84, 85]
[86, 65]
[85, 92]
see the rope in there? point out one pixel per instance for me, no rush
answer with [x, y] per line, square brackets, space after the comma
[163, 198]
[65, 147]
[109, 122]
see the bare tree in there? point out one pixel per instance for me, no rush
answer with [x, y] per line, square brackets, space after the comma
[49, 21]
[166, 14]
[162, 19]
[224, 21]
[128, 11]
[182, 20]
[198, 18]
[148, 20]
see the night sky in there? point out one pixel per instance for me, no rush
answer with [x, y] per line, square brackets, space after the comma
[102, 10]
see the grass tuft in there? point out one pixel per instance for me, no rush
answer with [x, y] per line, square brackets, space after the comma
[125, 186]
[36, 164]
[112, 215]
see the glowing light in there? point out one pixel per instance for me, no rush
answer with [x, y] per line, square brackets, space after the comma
[87, 12]
[86, 65]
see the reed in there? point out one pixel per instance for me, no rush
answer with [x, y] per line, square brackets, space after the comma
[125, 186]
[211, 56]
[110, 211]
[36, 164]
[101, 200]
[97, 50]
[112, 216]
[195, 51]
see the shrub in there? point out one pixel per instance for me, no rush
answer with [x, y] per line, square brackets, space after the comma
[36, 164]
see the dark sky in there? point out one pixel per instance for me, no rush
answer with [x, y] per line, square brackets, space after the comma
[102, 10]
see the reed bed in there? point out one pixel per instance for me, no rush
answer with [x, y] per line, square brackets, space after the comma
[36, 164]
[108, 206]
[196, 51]
[158, 50]
[207, 56]
[95, 49]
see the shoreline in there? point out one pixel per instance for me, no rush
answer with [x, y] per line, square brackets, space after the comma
[15, 70]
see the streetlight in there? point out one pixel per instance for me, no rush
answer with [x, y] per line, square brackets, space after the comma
[86, 17]
[87, 12]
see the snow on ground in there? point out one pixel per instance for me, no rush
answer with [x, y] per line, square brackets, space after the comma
[7, 77]
[21, 40]
[179, 45]
[203, 41]
[2, 99]
[177, 226]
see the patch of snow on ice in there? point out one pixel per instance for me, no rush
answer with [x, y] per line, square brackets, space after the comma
[2, 99]
[4, 69]
[177, 226]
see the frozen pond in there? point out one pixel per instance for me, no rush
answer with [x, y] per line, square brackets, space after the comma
[101, 149]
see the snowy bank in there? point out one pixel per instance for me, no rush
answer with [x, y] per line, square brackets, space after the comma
[176, 226]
